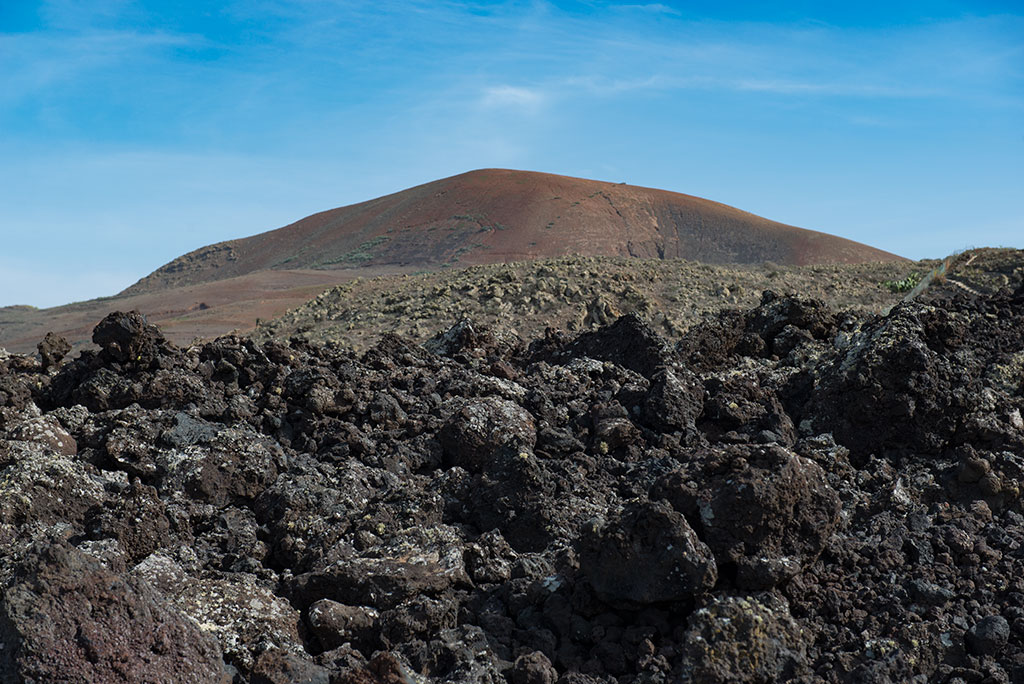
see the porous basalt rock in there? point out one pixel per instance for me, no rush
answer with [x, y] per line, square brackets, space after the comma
[765, 512]
[127, 338]
[674, 401]
[744, 639]
[628, 342]
[915, 379]
[646, 554]
[52, 350]
[478, 430]
[98, 626]
[791, 493]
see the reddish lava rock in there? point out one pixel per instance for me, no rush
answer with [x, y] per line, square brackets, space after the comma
[98, 627]
[513, 215]
[52, 349]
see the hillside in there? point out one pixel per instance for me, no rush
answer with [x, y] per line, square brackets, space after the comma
[572, 293]
[497, 215]
[580, 293]
[482, 217]
[204, 310]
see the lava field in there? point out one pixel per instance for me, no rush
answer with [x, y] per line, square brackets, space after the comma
[789, 493]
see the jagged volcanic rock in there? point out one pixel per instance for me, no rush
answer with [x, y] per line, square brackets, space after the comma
[790, 493]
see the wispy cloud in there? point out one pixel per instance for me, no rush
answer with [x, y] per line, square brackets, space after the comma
[38, 63]
[508, 96]
[832, 88]
[604, 87]
[609, 87]
[653, 8]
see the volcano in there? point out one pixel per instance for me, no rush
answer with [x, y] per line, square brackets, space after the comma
[500, 215]
[490, 216]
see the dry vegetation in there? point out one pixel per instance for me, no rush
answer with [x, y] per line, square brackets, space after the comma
[573, 293]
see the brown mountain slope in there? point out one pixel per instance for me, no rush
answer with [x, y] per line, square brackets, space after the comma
[497, 215]
[204, 310]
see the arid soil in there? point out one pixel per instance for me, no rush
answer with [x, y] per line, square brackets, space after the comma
[185, 313]
[500, 215]
[573, 293]
[578, 293]
[790, 492]
[373, 300]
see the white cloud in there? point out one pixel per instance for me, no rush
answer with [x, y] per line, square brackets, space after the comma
[506, 96]
[653, 8]
[840, 88]
[38, 63]
[602, 86]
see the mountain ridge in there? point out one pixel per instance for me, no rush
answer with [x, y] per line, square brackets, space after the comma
[500, 215]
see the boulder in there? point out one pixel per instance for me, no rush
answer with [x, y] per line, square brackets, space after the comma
[67, 619]
[646, 554]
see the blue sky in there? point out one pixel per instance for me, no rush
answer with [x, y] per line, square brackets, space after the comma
[134, 131]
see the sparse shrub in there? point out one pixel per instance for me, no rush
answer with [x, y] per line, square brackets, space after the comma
[905, 285]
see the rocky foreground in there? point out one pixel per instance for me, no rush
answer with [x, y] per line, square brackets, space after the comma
[789, 493]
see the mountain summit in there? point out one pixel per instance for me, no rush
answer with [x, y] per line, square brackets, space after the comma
[499, 215]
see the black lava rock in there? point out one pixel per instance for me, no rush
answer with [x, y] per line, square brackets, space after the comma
[781, 497]
[988, 636]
